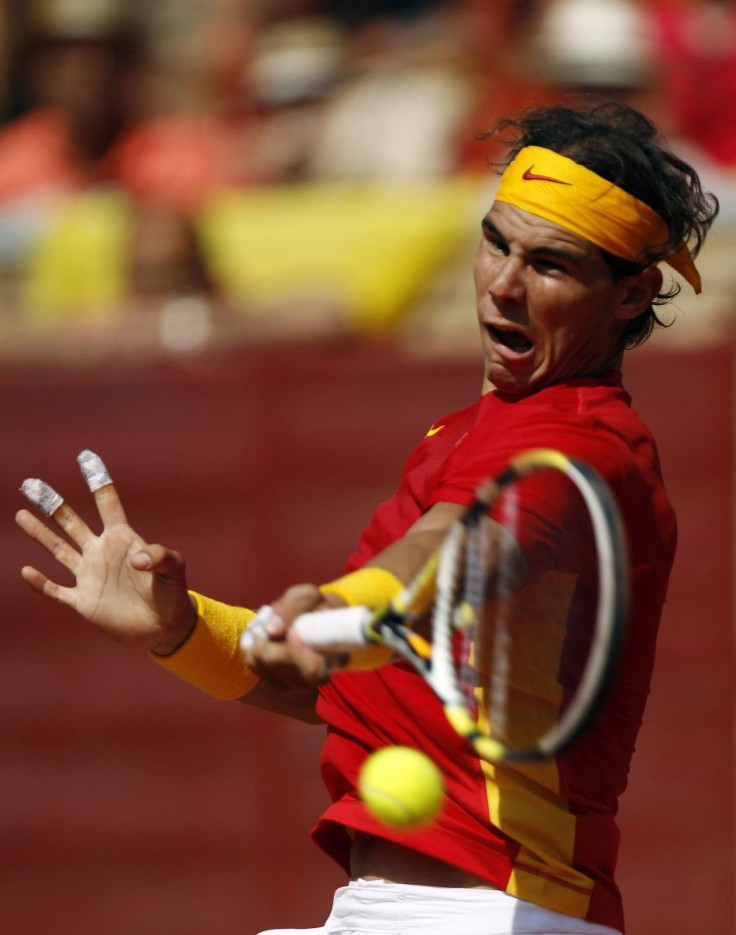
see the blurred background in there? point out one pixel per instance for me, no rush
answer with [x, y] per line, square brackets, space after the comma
[235, 259]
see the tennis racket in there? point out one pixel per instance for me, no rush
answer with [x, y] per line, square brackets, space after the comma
[517, 620]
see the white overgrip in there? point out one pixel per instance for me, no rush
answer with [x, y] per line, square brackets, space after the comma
[338, 630]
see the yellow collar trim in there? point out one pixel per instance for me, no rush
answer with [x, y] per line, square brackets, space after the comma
[554, 187]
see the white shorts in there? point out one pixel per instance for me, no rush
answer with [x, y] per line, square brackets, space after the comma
[375, 907]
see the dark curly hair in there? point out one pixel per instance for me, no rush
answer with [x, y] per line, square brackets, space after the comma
[623, 146]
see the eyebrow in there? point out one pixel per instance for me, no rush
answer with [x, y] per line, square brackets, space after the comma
[490, 228]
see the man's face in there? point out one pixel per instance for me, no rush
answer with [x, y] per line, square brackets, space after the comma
[547, 304]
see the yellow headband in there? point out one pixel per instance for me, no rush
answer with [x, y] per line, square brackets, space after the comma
[554, 187]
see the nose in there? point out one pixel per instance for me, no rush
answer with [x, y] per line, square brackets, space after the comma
[505, 281]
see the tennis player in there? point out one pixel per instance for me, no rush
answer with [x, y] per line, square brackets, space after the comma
[568, 275]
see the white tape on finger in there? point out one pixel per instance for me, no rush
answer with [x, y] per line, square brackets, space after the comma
[41, 495]
[93, 470]
[256, 629]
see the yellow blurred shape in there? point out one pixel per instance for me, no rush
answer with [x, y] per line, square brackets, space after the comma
[366, 249]
[78, 268]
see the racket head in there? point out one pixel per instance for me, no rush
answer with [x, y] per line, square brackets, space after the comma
[530, 609]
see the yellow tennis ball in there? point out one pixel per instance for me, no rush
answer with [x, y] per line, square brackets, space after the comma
[401, 786]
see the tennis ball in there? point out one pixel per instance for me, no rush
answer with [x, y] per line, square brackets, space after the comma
[401, 787]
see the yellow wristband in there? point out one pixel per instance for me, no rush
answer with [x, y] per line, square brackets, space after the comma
[372, 587]
[210, 659]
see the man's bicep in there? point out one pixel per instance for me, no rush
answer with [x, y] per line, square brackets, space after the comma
[500, 543]
[438, 518]
[404, 557]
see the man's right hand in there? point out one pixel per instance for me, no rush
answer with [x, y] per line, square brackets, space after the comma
[134, 591]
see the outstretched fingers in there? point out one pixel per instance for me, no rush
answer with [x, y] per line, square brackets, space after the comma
[52, 504]
[101, 487]
[43, 585]
[133, 591]
[157, 558]
[56, 546]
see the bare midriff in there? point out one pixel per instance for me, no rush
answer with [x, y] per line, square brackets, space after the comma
[373, 858]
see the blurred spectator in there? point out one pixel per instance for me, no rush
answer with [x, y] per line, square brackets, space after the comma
[597, 46]
[359, 12]
[221, 124]
[695, 48]
[493, 38]
[398, 112]
[296, 70]
[87, 156]
[79, 81]
[528, 53]
[95, 115]
[600, 48]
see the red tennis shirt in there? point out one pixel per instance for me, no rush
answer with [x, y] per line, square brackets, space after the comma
[545, 833]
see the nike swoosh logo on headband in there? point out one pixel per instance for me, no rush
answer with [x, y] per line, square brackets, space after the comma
[530, 176]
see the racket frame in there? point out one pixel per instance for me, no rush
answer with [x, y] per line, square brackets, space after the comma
[340, 630]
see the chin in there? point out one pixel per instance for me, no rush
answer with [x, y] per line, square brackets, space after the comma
[501, 379]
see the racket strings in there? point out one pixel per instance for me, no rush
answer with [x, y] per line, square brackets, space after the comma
[510, 660]
[479, 601]
[528, 612]
[493, 693]
[469, 609]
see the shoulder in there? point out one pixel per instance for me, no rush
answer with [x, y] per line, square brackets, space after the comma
[445, 432]
[592, 420]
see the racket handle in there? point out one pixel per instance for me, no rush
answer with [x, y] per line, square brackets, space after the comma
[338, 630]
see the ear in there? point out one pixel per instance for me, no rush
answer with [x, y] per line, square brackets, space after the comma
[639, 292]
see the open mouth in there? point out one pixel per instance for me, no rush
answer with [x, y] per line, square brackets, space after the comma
[513, 340]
